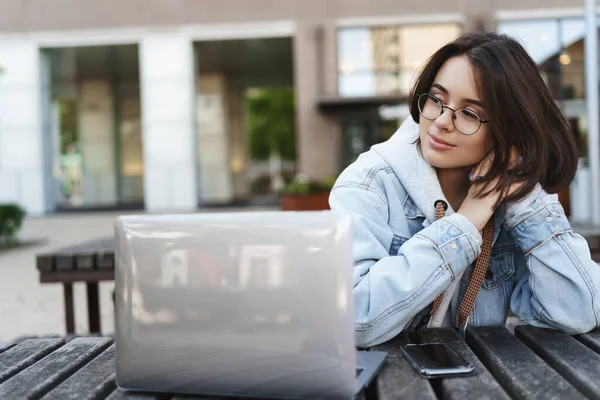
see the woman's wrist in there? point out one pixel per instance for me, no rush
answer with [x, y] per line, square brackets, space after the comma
[478, 211]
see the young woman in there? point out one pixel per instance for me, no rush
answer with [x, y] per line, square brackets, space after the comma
[484, 148]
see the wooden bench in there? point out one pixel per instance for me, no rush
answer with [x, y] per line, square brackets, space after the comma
[533, 364]
[90, 262]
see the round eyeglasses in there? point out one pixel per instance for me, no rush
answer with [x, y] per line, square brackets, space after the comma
[465, 121]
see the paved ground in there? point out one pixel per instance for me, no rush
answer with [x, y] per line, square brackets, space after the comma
[30, 308]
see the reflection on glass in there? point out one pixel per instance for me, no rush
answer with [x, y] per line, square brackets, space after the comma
[383, 60]
[245, 114]
[556, 45]
[96, 133]
[261, 266]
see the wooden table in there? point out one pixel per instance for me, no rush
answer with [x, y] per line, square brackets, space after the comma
[534, 364]
[90, 262]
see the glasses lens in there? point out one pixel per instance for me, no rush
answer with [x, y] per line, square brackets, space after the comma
[429, 106]
[466, 121]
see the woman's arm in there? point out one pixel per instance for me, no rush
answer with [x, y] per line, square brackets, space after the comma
[390, 290]
[562, 288]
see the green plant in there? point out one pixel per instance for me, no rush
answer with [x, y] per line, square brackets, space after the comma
[11, 219]
[270, 116]
[302, 184]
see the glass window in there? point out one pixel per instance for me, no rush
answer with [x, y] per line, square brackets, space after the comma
[556, 45]
[383, 60]
[96, 125]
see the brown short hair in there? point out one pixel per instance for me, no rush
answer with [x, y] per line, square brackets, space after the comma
[520, 108]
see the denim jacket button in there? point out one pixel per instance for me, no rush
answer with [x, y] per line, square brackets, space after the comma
[548, 219]
[454, 246]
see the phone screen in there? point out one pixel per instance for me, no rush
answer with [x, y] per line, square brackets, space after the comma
[436, 360]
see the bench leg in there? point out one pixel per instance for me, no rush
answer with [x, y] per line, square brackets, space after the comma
[371, 391]
[69, 308]
[93, 301]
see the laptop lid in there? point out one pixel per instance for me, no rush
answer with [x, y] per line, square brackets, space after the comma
[238, 304]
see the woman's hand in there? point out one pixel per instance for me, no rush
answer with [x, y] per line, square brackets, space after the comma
[480, 210]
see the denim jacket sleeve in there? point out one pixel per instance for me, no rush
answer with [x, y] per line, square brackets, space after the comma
[560, 288]
[389, 290]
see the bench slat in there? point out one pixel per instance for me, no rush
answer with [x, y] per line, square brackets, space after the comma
[26, 353]
[105, 260]
[591, 340]
[398, 379]
[516, 367]
[95, 380]
[84, 260]
[573, 360]
[47, 373]
[44, 262]
[64, 261]
[477, 386]
[5, 346]
[119, 394]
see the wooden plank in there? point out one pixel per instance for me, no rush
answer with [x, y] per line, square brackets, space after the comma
[517, 368]
[128, 395]
[44, 262]
[93, 305]
[46, 374]
[85, 260]
[398, 379]
[77, 276]
[96, 380]
[480, 385]
[105, 260]
[591, 340]
[26, 353]
[69, 307]
[64, 261]
[572, 359]
[5, 346]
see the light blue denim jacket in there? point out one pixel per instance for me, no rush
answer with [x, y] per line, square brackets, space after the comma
[403, 258]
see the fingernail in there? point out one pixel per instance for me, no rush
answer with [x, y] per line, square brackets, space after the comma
[470, 175]
[519, 159]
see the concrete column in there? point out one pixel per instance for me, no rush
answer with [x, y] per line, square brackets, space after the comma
[21, 126]
[318, 138]
[167, 92]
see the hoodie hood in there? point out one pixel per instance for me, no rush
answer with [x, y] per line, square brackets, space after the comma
[416, 175]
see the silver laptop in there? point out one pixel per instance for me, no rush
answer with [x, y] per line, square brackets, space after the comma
[252, 304]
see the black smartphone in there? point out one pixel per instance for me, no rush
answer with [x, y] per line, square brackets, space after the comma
[436, 360]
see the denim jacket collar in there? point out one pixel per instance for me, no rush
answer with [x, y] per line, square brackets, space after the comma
[417, 176]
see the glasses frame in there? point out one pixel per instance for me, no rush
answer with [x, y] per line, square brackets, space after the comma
[481, 121]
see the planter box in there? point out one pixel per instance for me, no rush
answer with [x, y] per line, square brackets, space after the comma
[305, 202]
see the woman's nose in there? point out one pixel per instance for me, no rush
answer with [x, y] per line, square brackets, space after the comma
[445, 120]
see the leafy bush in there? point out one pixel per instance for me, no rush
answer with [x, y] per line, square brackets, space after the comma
[11, 219]
[302, 184]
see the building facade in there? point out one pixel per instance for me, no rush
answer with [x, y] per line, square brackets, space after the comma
[158, 105]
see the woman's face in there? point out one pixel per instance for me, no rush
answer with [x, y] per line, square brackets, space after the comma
[442, 144]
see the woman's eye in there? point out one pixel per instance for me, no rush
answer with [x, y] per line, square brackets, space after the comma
[469, 114]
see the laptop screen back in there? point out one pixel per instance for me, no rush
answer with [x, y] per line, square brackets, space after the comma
[243, 304]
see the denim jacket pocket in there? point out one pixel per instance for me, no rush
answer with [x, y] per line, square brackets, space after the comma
[502, 266]
[397, 242]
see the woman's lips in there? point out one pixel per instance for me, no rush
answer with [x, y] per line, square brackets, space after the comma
[439, 144]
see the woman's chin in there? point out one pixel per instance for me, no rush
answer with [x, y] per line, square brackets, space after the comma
[441, 162]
